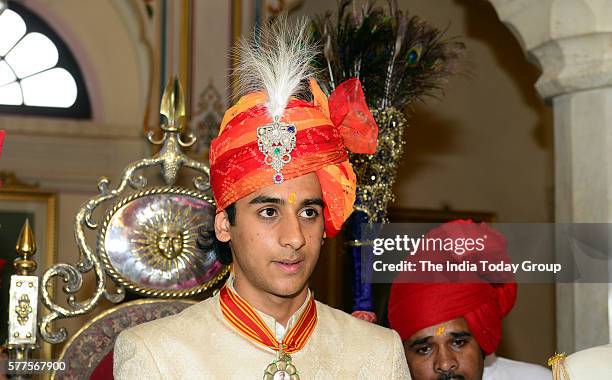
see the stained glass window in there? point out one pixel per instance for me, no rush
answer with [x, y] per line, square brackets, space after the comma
[38, 73]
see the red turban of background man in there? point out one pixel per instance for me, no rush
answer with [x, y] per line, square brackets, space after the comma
[483, 305]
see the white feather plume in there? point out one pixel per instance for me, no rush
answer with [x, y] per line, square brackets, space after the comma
[276, 60]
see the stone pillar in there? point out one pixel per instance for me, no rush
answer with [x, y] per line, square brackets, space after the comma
[571, 41]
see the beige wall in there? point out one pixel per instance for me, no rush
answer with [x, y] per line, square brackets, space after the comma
[486, 146]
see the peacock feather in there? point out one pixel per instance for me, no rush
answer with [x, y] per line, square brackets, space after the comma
[399, 58]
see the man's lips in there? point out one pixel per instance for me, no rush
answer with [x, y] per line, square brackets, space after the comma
[289, 266]
[451, 376]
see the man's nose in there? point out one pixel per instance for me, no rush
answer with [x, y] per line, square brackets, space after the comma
[446, 361]
[291, 233]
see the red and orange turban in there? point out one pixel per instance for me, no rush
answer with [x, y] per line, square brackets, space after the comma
[324, 130]
[483, 305]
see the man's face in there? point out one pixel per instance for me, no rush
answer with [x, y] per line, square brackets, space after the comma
[276, 237]
[445, 351]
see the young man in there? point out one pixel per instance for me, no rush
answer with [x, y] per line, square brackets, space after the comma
[282, 182]
[451, 330]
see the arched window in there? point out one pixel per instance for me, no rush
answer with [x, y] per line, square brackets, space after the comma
[38, 73]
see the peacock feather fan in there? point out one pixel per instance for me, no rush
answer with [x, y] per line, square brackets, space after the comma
[399, 59]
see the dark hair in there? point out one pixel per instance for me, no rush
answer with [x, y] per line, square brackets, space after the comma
[207, 239]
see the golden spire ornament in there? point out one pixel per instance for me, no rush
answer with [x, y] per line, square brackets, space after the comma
[23, 296]
[172, 113]
[26, 248]
[173, 106]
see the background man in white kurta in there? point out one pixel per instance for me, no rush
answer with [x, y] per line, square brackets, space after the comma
[282, 182]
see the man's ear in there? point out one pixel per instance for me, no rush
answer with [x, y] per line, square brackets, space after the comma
[222, 227]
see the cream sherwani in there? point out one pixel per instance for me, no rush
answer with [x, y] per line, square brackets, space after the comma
[199, 344]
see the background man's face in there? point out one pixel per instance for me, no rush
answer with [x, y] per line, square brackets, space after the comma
[445, 351]
[278, 235]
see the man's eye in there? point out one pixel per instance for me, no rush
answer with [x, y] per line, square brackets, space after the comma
[268, 212]
[423, 350]
[459, 342]
[309, 213]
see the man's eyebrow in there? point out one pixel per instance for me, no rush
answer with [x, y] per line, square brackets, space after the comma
[460, 334]
[418, 342]
[281, 202]
[313, 202]
[454, 334]
[266, 199]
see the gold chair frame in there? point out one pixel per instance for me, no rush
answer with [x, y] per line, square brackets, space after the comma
[133, 184]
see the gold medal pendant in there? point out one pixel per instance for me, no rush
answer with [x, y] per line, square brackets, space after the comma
[281, 368]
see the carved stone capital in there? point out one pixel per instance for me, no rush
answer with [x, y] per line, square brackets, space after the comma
[571, 41]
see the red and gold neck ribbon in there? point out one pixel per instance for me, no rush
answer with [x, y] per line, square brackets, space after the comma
[245, 319]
